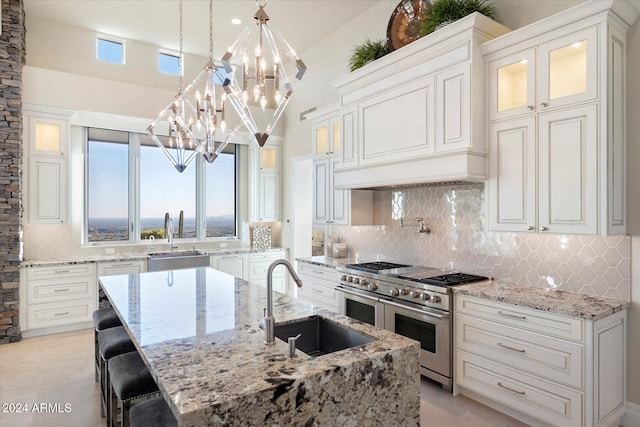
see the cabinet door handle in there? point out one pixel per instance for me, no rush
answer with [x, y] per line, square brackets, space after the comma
[61, 290]
[61, 271]
[519, 350]
[544, 104]
[61, 314]
[513, 316]
[530, 107]
[543, 228]
[318, 272]
[318, 291]
[529, 227]
[509, 388]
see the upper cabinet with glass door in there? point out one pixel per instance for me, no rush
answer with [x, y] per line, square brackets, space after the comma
[327, 138]
[554, 74]
[48, 134]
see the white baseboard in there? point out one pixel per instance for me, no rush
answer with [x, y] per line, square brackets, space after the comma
[632, 416]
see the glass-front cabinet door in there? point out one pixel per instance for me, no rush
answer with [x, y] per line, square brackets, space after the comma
[512, 85]
[569, 70]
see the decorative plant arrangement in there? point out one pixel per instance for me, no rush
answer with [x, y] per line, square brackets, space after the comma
[443, 12]
[367, 52]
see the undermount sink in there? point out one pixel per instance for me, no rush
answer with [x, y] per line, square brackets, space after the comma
[319, 336]
[176, 260]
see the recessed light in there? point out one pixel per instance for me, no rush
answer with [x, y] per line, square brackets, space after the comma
[236, 21]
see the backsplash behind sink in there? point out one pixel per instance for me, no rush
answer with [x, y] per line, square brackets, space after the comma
[459, 240]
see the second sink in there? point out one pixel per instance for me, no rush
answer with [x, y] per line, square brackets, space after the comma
[177, 260]
[320, 336]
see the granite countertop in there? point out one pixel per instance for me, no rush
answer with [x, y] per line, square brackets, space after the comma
[197, 330]
[571, 304]
[136, 256]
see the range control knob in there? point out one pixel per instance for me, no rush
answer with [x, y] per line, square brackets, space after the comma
[426, 296]
[343, 278]
[349, 279]
[394, 292]
[373, 287]
[404, 291]
[436, 298]
[356, 281]
[415, 294]
[364, 282]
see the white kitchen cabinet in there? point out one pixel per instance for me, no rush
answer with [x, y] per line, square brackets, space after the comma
[259, 263]
[318, 285]
[114, 268]
[45, 161]
[556, 103]
[264, 182]
[331, 205]
[234, 264]
[57, 298]
[453, 109]
[557, 369]
[543, 179]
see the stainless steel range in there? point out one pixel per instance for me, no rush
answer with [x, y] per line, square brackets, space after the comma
[413, 301]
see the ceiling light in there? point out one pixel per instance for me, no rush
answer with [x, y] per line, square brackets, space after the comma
[258, 50]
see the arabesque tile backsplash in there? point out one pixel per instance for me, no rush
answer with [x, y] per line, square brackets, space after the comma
[460, 240]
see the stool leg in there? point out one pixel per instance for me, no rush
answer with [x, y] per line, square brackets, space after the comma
[124, 413]
[112, 420]
[103, 387]
[96, 354]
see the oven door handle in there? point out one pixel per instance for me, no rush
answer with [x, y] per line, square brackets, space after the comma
[415, 310]
[357, 294]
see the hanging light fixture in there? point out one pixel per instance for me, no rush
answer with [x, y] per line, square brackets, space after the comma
[181, 139]
[258, 50]
[208, 111]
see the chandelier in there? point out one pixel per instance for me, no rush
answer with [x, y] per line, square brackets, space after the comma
[180, 141]
[265, 80]
[196, 116]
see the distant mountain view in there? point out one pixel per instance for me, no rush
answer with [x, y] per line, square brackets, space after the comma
[117, 229]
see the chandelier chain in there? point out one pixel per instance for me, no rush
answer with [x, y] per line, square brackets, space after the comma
[180, 63]
[211, 30]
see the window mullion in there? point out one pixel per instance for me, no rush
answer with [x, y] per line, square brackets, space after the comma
[134, 187]
[201, 229]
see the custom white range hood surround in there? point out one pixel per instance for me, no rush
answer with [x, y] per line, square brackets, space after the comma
[416, 116]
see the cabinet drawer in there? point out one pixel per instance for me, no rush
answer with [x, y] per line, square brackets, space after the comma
[59, 313]
[258, 270]
[266, 256]
[313, 293]
[125, 267]
[57, 290]
[61, 271]
[540, 399]
[539, 355]
[318, 272]
[522, 318]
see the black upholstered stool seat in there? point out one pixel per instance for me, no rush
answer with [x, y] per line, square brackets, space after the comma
[154, 412]
[113, 342]
[130, 380]
[105, 318]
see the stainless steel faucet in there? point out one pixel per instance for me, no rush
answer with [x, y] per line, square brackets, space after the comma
[269, 321]
[169, 233]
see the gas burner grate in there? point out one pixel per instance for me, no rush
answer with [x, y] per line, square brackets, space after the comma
[452, 279]
[375, 266]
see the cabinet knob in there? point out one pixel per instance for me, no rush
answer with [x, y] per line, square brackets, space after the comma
[530, 228]
[543, 229]
[530, 107]
[544, 104]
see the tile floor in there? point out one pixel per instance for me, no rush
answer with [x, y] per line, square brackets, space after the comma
[57, 370]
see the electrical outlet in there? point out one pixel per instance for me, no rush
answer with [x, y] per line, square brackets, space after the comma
[223, 244]
[110, 251]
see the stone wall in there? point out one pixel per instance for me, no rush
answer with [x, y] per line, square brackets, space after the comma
[12, 54]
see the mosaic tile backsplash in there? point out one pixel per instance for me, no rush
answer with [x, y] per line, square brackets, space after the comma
[460, 240]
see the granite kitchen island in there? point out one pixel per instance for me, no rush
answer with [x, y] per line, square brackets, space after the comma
[197, 331]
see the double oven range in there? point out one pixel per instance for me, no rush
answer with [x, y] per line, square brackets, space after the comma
[413, 301]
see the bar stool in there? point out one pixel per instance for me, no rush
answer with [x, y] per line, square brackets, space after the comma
[154, 412]
[111, 342]
[104, 318]
[130, 382]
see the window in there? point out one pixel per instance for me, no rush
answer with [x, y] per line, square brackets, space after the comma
[163, 190]
[107, 185]
[132, 186]
[110, 50]
[169, 63]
